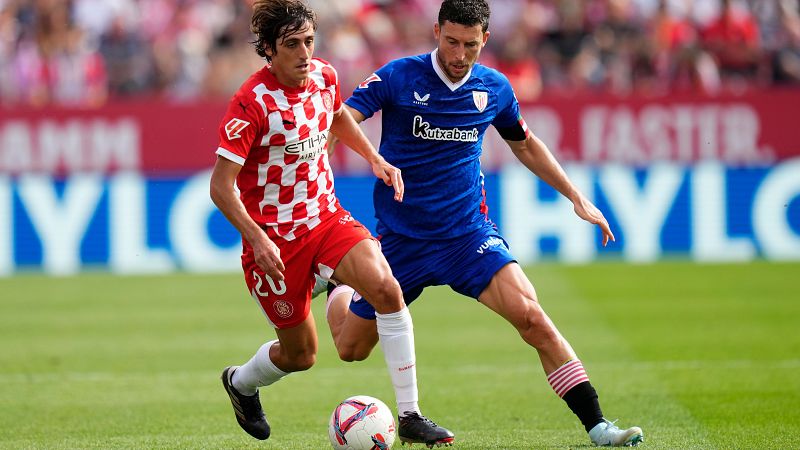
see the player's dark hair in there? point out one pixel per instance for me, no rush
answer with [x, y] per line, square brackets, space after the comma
[273, 20]
[465, 12]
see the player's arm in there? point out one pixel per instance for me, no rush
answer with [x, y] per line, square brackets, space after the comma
[333, 140]
[535, 155]
[267, 255]
[345, 128]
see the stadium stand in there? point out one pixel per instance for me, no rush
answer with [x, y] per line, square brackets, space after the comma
[86, 53]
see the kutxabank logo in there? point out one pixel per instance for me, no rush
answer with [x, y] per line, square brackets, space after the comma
[423, 130]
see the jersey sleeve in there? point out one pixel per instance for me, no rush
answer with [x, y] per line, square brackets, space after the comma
[337, 100]
[238, 129]
[509, 122]
[373, 93]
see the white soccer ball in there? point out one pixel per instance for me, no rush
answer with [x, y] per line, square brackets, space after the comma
[361, 422]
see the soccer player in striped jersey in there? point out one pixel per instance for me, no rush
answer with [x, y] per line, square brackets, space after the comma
[436, 108]
[273, 148]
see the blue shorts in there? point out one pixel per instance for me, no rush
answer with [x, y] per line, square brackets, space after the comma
[466, 263]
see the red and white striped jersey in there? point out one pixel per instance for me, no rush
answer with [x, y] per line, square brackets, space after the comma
[279, 135]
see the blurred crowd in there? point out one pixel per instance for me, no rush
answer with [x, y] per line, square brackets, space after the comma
[86, 52]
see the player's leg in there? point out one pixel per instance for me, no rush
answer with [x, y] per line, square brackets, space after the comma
[366, 270]
[354, 258]
[286, 305]
[294, 350]
[480, 266]
[511, 295]
[353, 336]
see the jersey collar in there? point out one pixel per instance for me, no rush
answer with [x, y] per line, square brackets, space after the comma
[274, 83]
[443, 76]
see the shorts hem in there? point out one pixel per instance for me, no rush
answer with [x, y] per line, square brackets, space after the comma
[291, 324]
[491, 273]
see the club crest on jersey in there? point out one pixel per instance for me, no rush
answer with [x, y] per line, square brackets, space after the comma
[327, 100]
[364, 84]
[234, 128]
[481, 99]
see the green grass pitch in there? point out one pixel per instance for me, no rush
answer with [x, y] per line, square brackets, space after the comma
[699, 356]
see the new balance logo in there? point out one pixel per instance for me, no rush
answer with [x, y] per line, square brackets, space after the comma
[421, 100]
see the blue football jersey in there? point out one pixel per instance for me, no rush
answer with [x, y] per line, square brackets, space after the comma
[432, 130]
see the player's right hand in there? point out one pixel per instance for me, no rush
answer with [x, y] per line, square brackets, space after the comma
[268, 258]
[391, 176]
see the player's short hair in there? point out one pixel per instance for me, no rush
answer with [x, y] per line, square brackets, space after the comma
[465, 12]
[273, 20]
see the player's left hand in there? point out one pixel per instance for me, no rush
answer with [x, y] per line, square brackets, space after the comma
[588, 212]
[391, 176]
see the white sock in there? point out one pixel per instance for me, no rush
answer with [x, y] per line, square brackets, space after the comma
[259, 371]
[396, 334]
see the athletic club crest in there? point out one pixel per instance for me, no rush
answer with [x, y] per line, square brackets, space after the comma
[327, 100]
[283, 308]
[481, 99]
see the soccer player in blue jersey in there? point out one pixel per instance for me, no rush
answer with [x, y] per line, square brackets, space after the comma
[436, 109]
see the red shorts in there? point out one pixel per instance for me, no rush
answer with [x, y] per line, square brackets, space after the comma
[286, 303]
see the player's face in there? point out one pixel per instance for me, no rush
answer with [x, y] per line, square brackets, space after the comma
[459, 47]
[292, 55]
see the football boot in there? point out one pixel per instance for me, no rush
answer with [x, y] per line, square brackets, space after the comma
[607, 434]
[414, 428]
[248, 409]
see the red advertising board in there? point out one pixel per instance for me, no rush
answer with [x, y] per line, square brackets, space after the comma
[159, 137]
[149, 136]
[740, 130]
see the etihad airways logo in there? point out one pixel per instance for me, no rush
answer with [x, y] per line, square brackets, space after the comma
[308, 148]
[423, 130]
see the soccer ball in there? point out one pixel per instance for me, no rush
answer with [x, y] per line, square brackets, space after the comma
[361, 422]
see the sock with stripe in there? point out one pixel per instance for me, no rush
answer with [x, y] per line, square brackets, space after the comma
[571, 383]
[259, 371]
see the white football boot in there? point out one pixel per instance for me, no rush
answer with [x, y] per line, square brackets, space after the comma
[606, 433]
